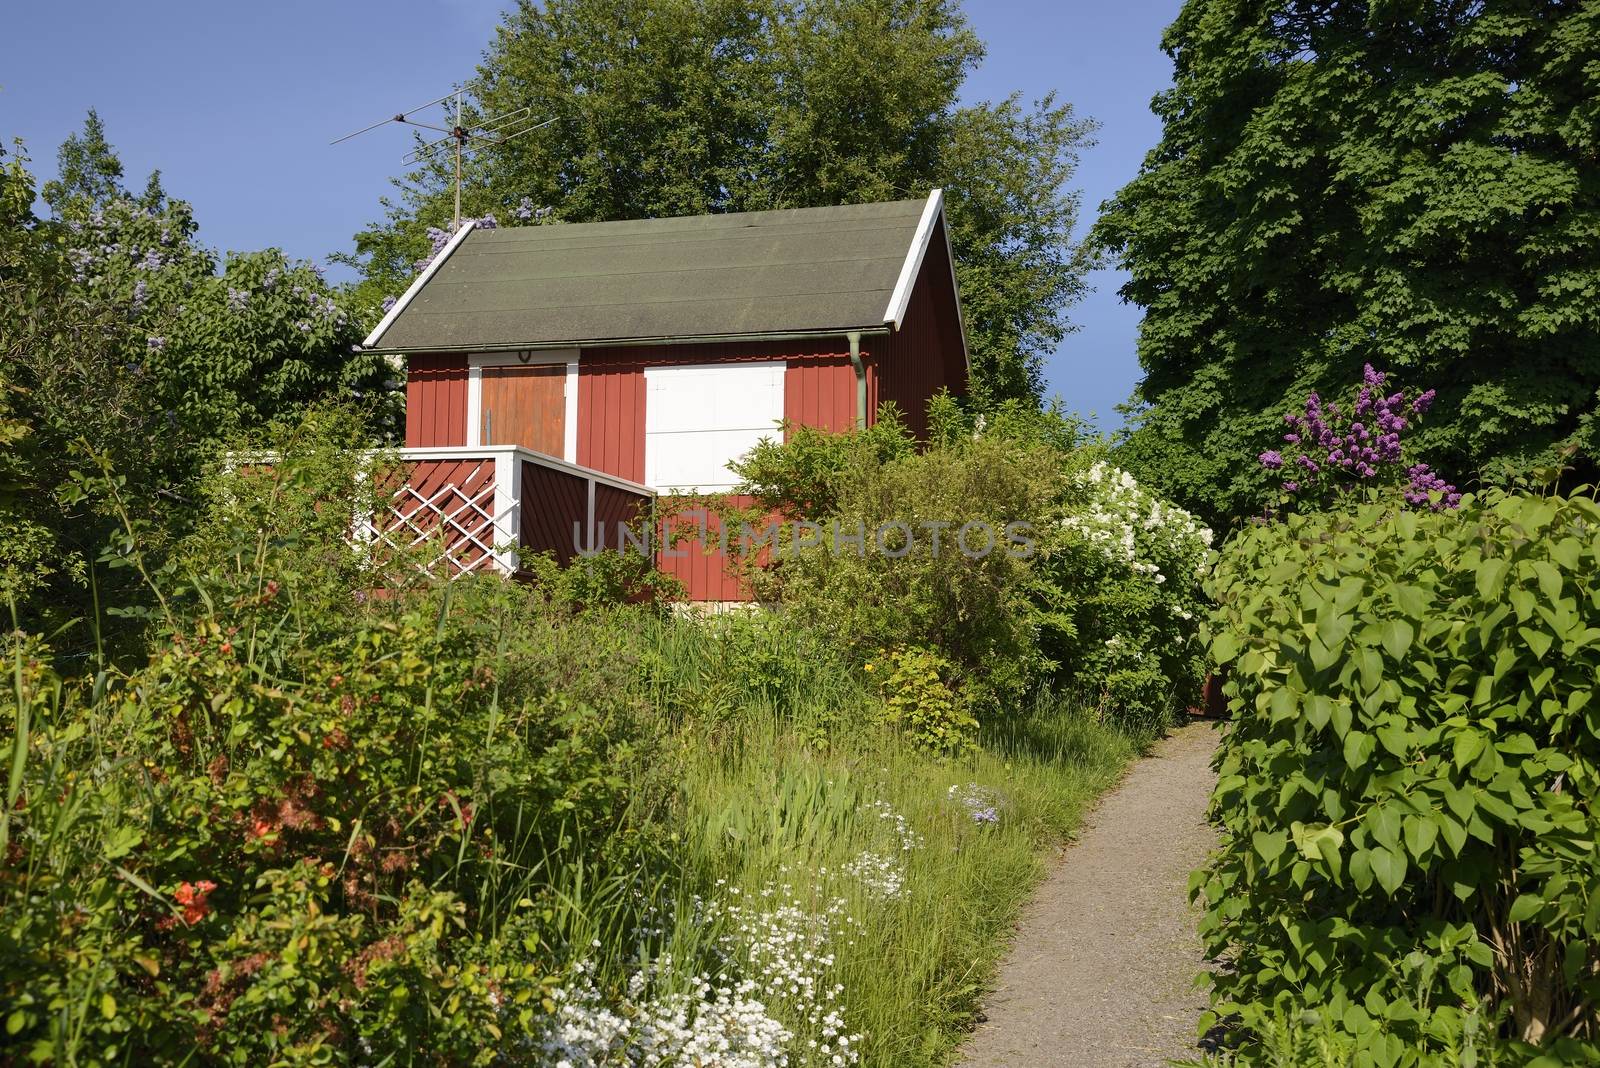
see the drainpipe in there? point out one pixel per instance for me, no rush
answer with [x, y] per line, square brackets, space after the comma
[861, 378]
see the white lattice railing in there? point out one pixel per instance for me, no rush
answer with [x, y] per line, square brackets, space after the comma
[468, 523]
[463, 507]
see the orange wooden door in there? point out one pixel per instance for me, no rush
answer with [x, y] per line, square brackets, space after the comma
[525, 406]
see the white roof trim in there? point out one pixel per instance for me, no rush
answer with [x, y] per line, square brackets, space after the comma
[895, 313]
[416, 286]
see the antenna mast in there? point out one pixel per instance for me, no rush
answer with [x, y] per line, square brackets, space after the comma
[494, 131]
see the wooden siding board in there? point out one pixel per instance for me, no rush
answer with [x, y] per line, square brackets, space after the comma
[436, 400]
[925, 354]
[552, 500]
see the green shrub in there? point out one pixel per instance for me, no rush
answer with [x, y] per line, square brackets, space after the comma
[1408, 789]
[919, 701]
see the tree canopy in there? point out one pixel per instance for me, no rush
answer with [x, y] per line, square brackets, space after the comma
[674, 107]
[129, 353]
[1410, 184]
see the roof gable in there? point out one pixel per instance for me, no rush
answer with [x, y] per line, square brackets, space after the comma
[801, 270]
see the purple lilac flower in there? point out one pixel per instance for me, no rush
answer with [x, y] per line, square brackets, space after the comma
[151, 261]
[1424, 401]
[140, 292]
[270, 279]
[156, 343]
[238, 299]
[1272, 459]
[525, 209]
[390, 302]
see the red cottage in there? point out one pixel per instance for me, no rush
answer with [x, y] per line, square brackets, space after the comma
[559, 374]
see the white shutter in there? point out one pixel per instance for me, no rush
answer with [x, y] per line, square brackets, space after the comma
[698, 417]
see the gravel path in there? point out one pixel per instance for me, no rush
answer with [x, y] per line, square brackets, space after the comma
[1101, 975]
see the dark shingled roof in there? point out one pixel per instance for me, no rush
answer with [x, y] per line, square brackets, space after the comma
[791, 271]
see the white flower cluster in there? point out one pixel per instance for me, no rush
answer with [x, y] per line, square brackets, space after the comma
[783, 950]
[907, 838]
[707, 1024]
[881, 875]
[786, 950]
[1133, 526]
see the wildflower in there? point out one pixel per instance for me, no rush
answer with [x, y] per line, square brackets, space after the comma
[193, 898]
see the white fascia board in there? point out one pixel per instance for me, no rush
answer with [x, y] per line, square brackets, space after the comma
[421, 280]
[895, 313]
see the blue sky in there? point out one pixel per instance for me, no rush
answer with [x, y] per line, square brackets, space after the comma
[236, 104]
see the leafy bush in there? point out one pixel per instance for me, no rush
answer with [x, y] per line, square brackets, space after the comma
[919, 701]
[884, 565]
[1409, 788]
[1126, 569]
[1092, 583]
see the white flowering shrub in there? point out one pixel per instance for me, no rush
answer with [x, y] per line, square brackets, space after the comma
[1127, 567]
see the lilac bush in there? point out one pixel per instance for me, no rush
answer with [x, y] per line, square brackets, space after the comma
[1339, 450]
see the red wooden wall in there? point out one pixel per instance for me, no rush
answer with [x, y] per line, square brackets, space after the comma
[925, 354]
[436, 400]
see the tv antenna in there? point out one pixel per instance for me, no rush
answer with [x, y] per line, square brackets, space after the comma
[494, 131]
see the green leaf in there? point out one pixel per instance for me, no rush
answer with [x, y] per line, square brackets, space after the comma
[1491, 574]
[1420, 835]
[1468, 744]
[15, 1021]
[1525, 907]
[1537, 640]
[1397, 638]
[1269, 845]
[1389, 867]
[108, 1006]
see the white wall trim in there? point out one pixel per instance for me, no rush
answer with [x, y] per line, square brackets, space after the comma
[895, 313]
[477, 361]
[474, 404]
[569, 444]
[417, 283]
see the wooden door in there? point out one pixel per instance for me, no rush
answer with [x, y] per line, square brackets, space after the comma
[525, 406]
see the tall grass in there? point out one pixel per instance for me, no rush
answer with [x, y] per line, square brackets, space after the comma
[767, 805]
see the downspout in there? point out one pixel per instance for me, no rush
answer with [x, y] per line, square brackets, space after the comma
[861, 378]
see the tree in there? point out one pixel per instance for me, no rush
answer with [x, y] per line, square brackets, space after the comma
[674, 107]
[128, 361]
[1414, 185]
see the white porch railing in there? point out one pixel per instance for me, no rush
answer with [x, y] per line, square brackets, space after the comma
[480, 505]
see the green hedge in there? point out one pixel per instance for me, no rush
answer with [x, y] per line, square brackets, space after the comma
[1408, 785]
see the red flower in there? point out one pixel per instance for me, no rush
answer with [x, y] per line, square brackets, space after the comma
[192, 896]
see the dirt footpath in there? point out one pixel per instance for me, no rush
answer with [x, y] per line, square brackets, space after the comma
[1101, 972]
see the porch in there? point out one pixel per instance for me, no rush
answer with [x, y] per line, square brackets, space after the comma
[483, 507]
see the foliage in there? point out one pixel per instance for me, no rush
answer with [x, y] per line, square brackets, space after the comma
[479, 823]
[123, 349]
[605, 577]
[916, 548]
[1408, 788]
[679, 107]
[919, 701]
[1410, 185]
[1092, 584]
[1125, 569]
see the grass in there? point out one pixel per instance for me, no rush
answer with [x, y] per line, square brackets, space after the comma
[765, 806]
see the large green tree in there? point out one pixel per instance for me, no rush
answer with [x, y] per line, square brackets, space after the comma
[130, 355]
[1411, 183]
[673, 107]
